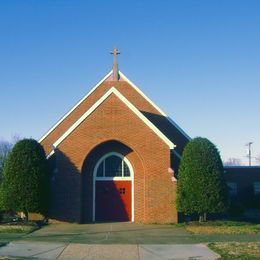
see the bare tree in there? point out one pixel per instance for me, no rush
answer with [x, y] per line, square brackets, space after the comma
[15, 138]
[5, 148]
[233, 162]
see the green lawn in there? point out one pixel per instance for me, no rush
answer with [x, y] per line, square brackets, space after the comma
[222, 227]
[14, 231]
[18, 227]
[236, 250]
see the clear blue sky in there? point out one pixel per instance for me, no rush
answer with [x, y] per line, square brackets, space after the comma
[197, 60]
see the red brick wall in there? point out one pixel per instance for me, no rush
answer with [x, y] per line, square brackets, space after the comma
[127, 90]
[154, 192]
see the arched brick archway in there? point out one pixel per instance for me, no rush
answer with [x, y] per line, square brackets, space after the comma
[89, 184]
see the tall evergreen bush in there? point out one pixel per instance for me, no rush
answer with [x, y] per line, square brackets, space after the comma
[25, 185]
[201, 187]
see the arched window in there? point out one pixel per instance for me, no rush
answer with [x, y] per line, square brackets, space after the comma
[113, 165]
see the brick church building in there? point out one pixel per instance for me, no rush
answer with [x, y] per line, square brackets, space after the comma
[113, 157]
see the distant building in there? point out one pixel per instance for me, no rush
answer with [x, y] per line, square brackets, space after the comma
[243, 183]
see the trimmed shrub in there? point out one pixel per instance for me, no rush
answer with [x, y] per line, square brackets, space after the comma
[201, 188]
[25, 185]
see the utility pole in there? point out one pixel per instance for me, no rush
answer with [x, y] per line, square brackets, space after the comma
[249, 152]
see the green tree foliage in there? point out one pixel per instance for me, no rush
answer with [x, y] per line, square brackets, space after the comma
[25, 185]
[201, 187]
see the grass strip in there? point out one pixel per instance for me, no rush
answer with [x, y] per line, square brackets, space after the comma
[222, 227]
[7, 228]
[237, 250]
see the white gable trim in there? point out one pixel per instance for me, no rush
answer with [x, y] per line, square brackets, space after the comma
[96, 86]
[153, 104]
[50, 154]
[72, 109]
[128, 104]
[140, 92]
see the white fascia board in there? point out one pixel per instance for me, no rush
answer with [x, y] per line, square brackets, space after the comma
[153, 104]
[128, 104]
[50, 154]
[73, 108]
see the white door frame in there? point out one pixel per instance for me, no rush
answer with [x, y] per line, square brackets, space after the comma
[95, 178]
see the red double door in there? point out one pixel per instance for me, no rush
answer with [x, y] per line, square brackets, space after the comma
[113, 201]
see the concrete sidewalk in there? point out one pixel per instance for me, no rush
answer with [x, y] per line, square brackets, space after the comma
[46, 250]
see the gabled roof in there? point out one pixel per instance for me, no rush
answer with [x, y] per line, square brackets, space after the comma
[128, 104]
[154, 105]
[73, 108]
[167, 128]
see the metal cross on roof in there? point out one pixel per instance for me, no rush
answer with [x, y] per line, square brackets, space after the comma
[115, 52]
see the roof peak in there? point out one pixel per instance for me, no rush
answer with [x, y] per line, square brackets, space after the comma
[115, 91]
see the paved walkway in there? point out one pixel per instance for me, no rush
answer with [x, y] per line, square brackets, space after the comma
[112, 233]
[122, 233]
[47, 250]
